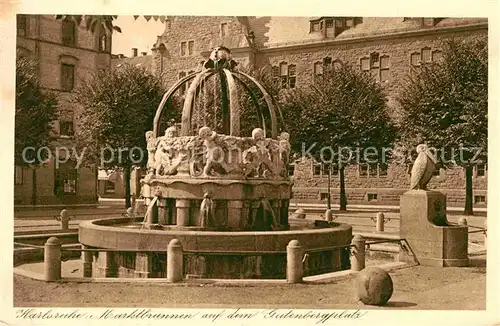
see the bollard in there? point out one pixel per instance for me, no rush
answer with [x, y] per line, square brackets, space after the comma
[462, 221]
[358, 256]
[52, 259]
[380, 222]
[329, 215]
[294, 265]
[87, 260]
[64, 219]
[174, 261]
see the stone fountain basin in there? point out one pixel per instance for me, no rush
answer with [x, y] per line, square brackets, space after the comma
[125, 233]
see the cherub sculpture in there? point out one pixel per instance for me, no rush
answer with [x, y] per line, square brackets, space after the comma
[151, 146]
[165, 163]
[257, 159]
[215, 161]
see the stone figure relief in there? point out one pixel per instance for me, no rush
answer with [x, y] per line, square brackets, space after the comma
[220, 58]
[421, 172]
[257, 159]
[215, 156]
[207, 211]
[165, 161]
[284, 150]
[151, 147]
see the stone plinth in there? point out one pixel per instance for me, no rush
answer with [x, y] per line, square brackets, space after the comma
[424, 225]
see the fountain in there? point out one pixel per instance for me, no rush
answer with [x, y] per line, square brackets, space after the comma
[223, 195]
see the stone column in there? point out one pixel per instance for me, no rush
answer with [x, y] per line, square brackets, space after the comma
[183, 207]
[87, 260]
[143, 265]
[162, 211]
[294, 265]
[52, 259]
[107, 264]
[174, 261]
[235, 214]
[358, 257]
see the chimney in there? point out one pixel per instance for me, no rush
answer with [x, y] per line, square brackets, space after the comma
[144, 53]
[134, 52]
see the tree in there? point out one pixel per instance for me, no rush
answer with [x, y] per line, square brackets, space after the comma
[118, 107]
[92, 22]
[445, 104]
[36, 110]
[343, 120]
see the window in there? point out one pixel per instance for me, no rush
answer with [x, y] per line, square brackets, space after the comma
[287, 75]
[317, 170]
[66, 179]
[67, 77]
[372, 170]
[329, 23]
[425, 55]
[480, 170]
[315, 27]
[223, 29]
[327, 61]
[66, 128]
[323, 196]
[318, 68]
[291, 76]
[291, 169]
[480, 199]
[415, 58]
[183, 49]
[372, 197]
[22, 25]
[377, 66]
[18, 175]
[437, 55]
[68, 32]
[190, 47]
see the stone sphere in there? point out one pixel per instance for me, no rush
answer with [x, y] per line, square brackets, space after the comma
[373, 286]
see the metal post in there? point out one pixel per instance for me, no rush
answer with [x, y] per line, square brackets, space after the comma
[294, 265]
[329, 202]
[52, 259]
[358, 256]
[174, 261]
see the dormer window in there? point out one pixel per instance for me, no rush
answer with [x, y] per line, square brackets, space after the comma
[333, 26]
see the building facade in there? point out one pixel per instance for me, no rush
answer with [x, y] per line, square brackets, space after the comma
[65, 54]
[298, 48]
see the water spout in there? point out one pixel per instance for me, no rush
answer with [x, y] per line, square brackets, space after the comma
[151, 216]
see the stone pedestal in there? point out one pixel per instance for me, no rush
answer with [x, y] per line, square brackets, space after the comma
[143, 265]
[107, 264]
[183, 207]
[424, 225]
[234, 215]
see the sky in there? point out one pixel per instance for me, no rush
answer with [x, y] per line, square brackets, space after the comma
[139, 34]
